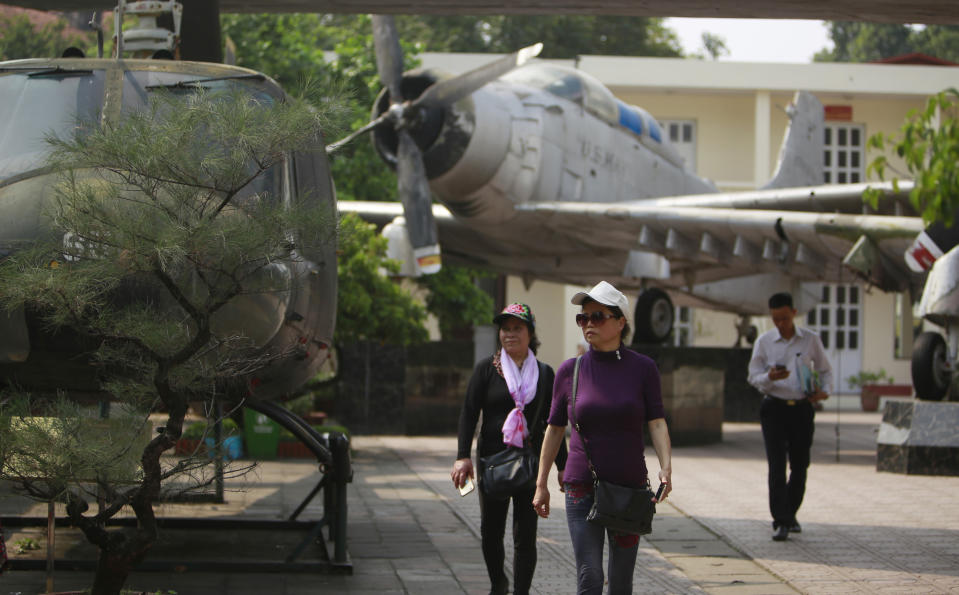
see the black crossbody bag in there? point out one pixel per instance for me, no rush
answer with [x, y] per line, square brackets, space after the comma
[621, 508]
[513, 469]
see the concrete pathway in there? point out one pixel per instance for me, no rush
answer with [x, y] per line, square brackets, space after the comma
[411, 532]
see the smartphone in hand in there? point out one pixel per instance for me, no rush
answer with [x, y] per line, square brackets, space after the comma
[467, 487]
[659, 492]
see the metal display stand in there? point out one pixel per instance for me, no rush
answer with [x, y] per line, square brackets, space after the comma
[332, 451]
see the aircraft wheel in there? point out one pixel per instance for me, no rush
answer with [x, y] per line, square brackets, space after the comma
[931, 371]
[654, 316]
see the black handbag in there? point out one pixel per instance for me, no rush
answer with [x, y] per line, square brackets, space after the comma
[616, 507]
[508, 471]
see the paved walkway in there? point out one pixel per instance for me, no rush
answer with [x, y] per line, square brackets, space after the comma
[411, 532]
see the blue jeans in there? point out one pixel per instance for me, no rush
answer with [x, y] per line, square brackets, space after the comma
[588, 540]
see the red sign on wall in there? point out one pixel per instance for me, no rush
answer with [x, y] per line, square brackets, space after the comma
[839, 113]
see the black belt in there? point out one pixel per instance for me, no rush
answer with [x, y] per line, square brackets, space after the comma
[787, 402]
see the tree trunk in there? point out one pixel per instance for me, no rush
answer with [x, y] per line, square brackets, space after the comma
[113, 568]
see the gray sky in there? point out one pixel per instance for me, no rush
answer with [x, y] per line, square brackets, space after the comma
[756, 40]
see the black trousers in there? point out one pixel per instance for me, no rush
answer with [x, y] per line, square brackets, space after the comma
[787, 432]
[492, 531]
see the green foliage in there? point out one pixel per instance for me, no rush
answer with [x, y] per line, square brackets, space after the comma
[263, 38]
[201, 429]
[27, 544]
[714, 46]
[865, 377]
[290, 48]
[69, 445]
[928, 143]
[369, 305]
[455, 299]
[301, 405]
[19, 38]
[569, 36]
[867, 42]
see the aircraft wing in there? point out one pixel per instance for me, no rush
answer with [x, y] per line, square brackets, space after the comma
[460, 243]
[522, 247]
[829, 198]
[684, 241]
[704, 244]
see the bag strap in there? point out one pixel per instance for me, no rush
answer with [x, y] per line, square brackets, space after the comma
[582, 436]
[539, 409]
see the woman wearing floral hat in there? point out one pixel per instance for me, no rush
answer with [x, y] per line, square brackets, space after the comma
[508, 388]
[618, 396]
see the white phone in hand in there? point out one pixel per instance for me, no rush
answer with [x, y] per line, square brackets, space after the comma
[467, 487]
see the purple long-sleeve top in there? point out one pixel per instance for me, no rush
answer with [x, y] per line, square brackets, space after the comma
[614, 401]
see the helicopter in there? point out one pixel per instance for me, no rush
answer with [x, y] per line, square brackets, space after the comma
[40, 97]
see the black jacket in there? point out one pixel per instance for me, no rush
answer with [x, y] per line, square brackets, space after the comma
[487, 393]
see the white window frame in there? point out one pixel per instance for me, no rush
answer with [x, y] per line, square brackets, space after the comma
[844, 153]
[684, 139]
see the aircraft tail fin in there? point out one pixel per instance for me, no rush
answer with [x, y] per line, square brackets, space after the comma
[800, 157]
[929, 245]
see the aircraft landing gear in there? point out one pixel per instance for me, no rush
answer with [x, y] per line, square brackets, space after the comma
[654, 317]
[931, 369]
[745, 330]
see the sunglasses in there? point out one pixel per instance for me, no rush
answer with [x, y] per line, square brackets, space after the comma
[597, 318]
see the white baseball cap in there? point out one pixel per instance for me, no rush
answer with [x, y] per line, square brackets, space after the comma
[605, 294]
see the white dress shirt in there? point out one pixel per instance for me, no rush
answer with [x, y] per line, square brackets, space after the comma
[771, 349]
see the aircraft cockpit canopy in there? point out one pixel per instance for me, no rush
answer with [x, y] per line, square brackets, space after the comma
[570, 84]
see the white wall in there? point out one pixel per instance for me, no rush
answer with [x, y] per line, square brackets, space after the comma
[878, 337]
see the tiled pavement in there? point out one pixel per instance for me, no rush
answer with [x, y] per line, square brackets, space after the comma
[410, 531]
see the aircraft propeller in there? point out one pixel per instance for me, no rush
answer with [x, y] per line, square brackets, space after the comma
[402, 115]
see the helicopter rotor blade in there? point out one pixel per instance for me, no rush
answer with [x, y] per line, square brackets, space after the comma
[414, 191]
[389, 55]
[449, 91]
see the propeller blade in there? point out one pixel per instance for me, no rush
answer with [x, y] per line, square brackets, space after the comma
[448, 92]
[414, 191]
[389, 55]
[332, 147]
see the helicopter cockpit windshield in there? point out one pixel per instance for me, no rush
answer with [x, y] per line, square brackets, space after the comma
[32, 107]
[43, 100]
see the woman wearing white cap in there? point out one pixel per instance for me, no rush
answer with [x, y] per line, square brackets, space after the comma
[509, 388]
[618, 393]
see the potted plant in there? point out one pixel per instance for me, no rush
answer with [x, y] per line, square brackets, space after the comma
[873, 385]
[198, 430]
[290, 447]
[190, 439]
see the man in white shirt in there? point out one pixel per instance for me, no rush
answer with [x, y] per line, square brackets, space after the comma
[790, 368]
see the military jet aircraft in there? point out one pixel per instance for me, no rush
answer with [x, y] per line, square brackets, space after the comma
[541, 172]
[42, 96]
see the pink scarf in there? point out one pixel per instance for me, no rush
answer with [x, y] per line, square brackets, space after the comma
[522, 387]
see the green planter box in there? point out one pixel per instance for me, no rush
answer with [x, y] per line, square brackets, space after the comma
[261, 435]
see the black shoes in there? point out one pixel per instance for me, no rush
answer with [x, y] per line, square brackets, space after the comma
[795, 528]
[781, 534]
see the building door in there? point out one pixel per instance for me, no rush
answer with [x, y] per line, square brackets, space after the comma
[838, 320]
